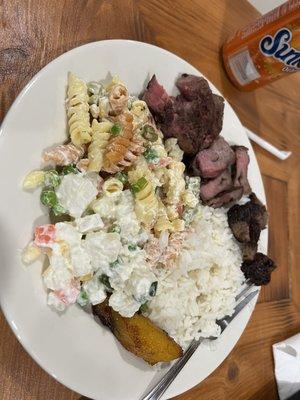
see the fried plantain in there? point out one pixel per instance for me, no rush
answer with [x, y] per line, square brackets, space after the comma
[139, 335]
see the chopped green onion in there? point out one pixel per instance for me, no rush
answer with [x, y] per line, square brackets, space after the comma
[48, 197]
[139, 185]
[144, 307]
[153, 288]
[132, 247]
[105, 280]
[83, 298]
[114, 228]
[150, 154]
[116, 129]
[69, 169]
[114, 264]
[122, 176]
[148, 132]
[52, 178]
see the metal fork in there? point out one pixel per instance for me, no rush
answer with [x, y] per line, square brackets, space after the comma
[161, 386]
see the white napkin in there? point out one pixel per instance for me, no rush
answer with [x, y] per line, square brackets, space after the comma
[287, 366]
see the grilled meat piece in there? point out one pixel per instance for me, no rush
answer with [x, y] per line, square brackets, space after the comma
[246, 222]
[139, 335]
[213, 187]
[194, 117]
[224, 198]
[259, 269]
[210, 163]
[241, 168]
[156, 97]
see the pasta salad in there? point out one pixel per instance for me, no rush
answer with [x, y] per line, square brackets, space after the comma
[119, 202]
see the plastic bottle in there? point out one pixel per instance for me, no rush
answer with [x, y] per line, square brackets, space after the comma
[266, 49]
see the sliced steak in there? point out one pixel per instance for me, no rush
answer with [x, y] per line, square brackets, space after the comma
[215, 186]
[226, 197]
[213, 161]
[192, 87]
[156, 97]
[194, 117]
[241, 168]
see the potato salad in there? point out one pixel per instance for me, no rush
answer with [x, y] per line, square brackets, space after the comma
[118, 200]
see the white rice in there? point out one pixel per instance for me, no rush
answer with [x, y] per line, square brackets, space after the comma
[204, 282]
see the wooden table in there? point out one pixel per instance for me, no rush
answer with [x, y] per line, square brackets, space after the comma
[34, 32]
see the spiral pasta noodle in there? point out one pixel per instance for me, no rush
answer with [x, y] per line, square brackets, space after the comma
[78, 111]
[112, 187]
[118, 98]
[122, 150]
[100, 138]
[64, 154]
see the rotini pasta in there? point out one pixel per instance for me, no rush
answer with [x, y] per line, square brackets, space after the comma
[146, 201]
[100, 138]
[146, 205]
[140, 112]
[112, 187]
[118, 98]
[78, 111]
[123, 149]
[64, 154]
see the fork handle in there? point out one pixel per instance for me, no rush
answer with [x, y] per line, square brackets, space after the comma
[163, 384]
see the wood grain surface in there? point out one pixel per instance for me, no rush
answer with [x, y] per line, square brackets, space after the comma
[34, 32]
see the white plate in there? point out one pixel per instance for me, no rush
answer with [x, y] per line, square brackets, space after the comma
[73, 348]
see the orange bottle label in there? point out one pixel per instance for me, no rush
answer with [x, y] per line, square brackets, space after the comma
[266, 49]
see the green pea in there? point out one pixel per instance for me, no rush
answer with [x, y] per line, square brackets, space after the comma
[58, 209]
[83, 298]
[48, 197]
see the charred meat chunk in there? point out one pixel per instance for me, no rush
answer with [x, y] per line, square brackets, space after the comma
[241, 168]
[259, 270]
[246, 222]
[194, 117]
[213, 161]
